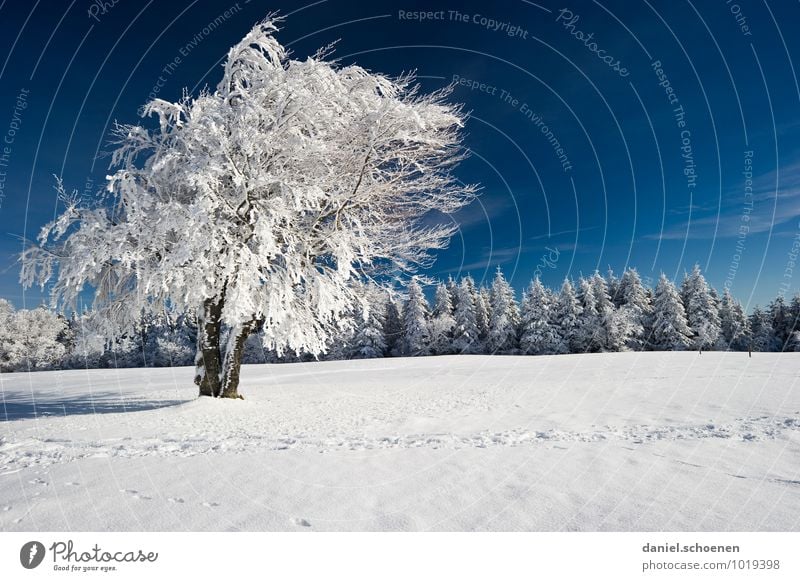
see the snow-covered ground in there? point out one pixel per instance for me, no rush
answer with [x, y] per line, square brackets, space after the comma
[622, 441]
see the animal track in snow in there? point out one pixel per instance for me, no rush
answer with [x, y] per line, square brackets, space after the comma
[241, 441]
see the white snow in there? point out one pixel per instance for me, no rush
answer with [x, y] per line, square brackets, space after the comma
[620, 441]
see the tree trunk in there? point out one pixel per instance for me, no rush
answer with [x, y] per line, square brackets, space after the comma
[233, 360]
[207, 360]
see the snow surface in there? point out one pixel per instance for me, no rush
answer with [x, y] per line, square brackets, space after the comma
[620, 441]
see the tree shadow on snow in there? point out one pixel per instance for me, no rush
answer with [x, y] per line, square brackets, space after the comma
[18, 406]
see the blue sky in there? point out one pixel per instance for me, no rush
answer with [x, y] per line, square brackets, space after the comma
[605, 134]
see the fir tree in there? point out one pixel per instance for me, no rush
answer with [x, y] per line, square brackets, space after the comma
[701, 310]
[614, 328]
[734, 327]
[392, 328]
[466, 339]
[504, 318]
[416, 329]
[762, 335]
[443, 323]
[483, 314]
[636, 303]
[368, 340]
[589, 336]
[539, 334]
[782, 323]
[567, 313]
[670, 331]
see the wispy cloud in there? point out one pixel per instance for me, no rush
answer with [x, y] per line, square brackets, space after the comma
[772, 204]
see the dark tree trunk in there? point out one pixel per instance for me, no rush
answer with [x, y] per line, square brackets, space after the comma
[207, 360]
[233, 360]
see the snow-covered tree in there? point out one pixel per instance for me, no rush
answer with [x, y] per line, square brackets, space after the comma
[261, 204]
[567, 319]
[762, 335]
[483, 313]
[392, 328]
[782, 323]
[613, 284]
[416, 326]
[589, 338]
[30, 339]
[615, 326]
[170, 343]
[452, 289]
[538, 330]
[504, 317]
[635, 305]
[734, 327]
[701, 310]
[368, 340]
[669, 329]
[465, 337]
[443, 324]
[794, 342]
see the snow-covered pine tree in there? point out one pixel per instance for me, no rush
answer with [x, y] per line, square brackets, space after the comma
[393, 328]
[483, 314]
[504, 318]
[701, 310]
[670, 331]
[538, 330]
[567, 319]
[734, 327]
[465, 336]
[635, 304]
[261, 203]
[416, 326]
[615, 328]
[782, 323]
[794, 316]
[368, 340]
[762, 335]
[794, 342]
[590, 334]
[170, 342]
[612, 282]
[443, 323]
[452, 289]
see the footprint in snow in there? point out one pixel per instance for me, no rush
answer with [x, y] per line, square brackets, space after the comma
[7, 508]
[38, 481]
[176, 500]
[72, 484]
[210, 504]
[301, 522]
[135, 494]
[17, 520]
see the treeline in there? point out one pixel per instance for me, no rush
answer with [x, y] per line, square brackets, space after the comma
[593, 314]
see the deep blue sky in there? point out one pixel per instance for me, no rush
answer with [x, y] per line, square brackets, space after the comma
[624, 199]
